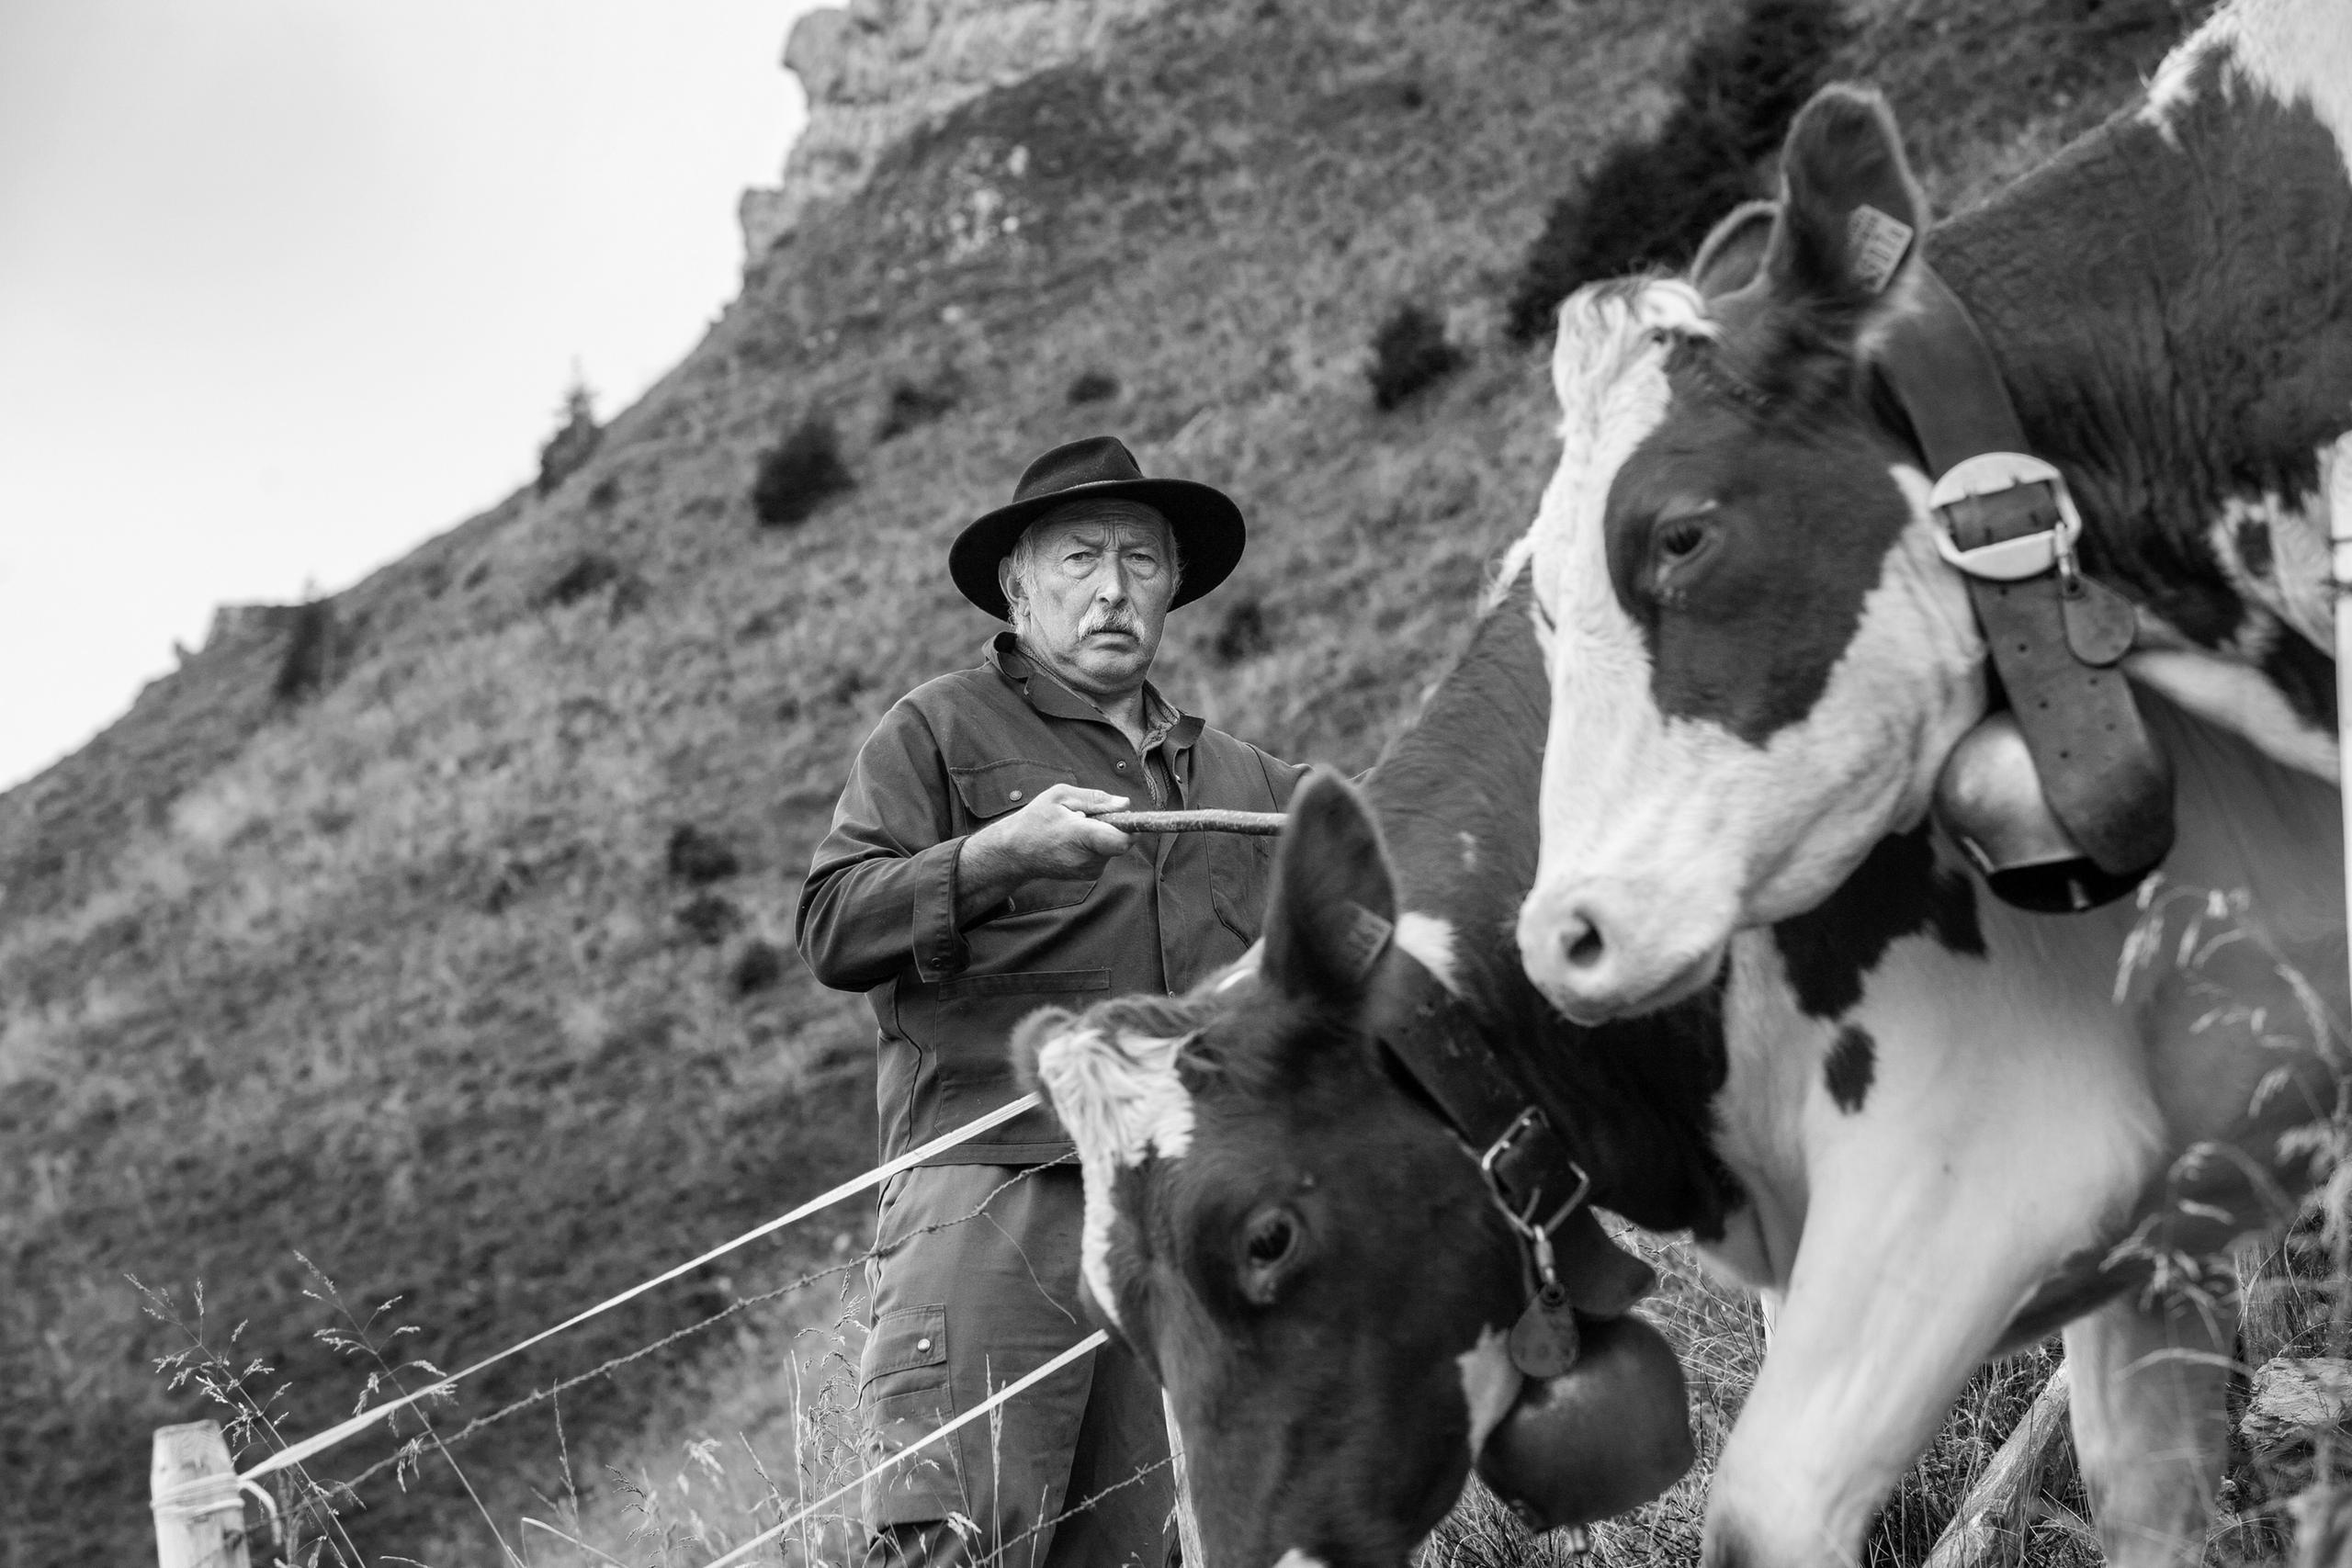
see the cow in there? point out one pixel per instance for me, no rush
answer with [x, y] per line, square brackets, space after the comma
[1764, 652]
[1903, 1116]
[1300, 1247]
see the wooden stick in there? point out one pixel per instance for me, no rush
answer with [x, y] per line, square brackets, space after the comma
[192, 1487]
[1990, 1526]
[1261, 823]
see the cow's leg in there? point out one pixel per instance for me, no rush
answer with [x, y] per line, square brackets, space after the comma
[1989, 1120]
[2151, 1424]
[1876, 1337]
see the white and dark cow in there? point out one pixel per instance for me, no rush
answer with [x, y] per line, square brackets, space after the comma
[1912, 1116]
[1762, 661]
[1295, 1242]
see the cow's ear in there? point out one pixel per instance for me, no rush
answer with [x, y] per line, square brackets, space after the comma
[1334, 900]
[1851, 216]
[1728, 261]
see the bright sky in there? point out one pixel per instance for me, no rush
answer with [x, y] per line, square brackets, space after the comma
[288, 286]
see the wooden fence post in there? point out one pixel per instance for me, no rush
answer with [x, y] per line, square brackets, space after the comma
[1188, 1525]
[192, 1487]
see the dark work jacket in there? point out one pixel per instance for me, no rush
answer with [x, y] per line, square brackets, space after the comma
[877, 913]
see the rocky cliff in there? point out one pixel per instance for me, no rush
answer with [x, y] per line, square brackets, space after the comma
[876, 70]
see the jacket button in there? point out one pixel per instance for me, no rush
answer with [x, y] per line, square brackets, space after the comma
[922, 1344]
[1012, 795]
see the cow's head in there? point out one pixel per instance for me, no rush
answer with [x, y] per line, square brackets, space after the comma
[1300, 1250]
[1760, 661]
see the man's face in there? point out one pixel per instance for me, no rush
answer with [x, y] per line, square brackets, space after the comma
[1095, 593]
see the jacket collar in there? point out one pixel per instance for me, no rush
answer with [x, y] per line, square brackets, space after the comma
[1049, 696]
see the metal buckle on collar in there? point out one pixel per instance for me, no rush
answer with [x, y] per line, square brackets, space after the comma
[1536, 1234]
[2006, 560]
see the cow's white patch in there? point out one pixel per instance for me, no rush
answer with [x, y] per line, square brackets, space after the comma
[2299, 52]
[1295, 1558]
[1428, 940]
[1608, 374]
[2276, 557]
[1773, 1049]
[2235, 697]
[1244, 969]
[2288, 574]
[1489, 1383]
[1121, 1100]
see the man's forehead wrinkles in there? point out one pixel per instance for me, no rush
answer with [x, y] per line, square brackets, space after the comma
[1094, 522]
[1101, 536]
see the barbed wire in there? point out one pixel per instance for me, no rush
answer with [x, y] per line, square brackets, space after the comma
[1086, 1347]
[1073, 1512]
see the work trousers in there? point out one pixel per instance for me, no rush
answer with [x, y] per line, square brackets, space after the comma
[974, 1285]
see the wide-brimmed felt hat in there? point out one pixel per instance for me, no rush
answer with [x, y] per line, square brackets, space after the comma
[1208, 526]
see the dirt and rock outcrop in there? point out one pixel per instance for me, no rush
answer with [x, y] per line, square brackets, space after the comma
[876, 70]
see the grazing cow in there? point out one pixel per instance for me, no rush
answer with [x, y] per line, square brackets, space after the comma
[1297, 1244]
[1763, 656]
[1909, 1116]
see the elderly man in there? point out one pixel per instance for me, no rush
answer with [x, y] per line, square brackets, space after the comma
[967, 881]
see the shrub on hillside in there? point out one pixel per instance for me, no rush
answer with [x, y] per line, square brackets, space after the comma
[308, 664]
[700, 858]
[590, 573]
[1410, 354]
[574, 443]
[586, 574]
[1243, 634]
[1093, 386]
[1649, 202]
[757, 967]
[910, 405]
[709, 918]
[799, 474]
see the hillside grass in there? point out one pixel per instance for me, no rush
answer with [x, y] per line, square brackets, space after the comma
[397, 974]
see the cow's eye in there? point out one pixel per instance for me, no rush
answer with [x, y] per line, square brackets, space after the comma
[1683, 528]
[1270, 1245]
[1679, 544]
[1271, 1239]
[1680, 539]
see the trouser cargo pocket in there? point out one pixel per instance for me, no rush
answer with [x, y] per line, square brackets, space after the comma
[903, 1395]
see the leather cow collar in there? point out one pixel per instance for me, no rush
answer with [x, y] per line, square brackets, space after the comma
[1598, 1424]
[1532, 1174]
[2057, 636]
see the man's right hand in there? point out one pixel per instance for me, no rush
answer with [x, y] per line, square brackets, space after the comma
[1053, 836]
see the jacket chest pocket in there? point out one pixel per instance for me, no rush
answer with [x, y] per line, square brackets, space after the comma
[992, 790]
[1240, 868]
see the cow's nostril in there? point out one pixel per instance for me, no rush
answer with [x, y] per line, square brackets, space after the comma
[1581, 944]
